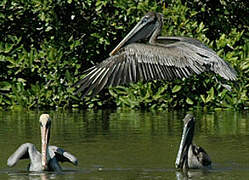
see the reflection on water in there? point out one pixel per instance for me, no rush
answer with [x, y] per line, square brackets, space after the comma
[33, 176]
[129, 144]
[191, 174]
[40, 176]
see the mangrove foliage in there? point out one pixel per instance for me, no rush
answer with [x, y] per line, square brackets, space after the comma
[45, 45]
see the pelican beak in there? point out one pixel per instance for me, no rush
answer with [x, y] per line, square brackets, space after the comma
[142, 30]
[44, 136]
[186, 141]
[45, 133]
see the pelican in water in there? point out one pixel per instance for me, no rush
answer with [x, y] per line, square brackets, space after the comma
[191, 156]
[161, 58]
[50, 157]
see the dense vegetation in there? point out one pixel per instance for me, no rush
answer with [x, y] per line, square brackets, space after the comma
[45, 46]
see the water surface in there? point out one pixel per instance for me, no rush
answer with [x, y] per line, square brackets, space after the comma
[129, 144]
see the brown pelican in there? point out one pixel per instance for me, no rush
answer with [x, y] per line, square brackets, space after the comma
[189, 155]
[49, 159]
[162, 58]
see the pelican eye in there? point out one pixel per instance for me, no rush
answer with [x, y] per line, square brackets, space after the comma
[145, 19]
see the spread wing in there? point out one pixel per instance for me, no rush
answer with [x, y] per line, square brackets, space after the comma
[23, 152]
[63, 156]
[145, 62]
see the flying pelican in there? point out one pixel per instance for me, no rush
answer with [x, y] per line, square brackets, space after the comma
[162, 58]
[49, 159]
[189, 155]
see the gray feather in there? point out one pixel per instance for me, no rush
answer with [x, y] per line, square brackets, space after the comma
[145, 62]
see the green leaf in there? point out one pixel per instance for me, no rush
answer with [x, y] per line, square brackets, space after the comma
[5, 86]
[203, 98]
[210, 95]
[189, 101]
[68, 76]
[176, 88]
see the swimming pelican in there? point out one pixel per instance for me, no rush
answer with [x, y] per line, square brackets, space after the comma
[50, 157]
[191, 156]
[162, 58]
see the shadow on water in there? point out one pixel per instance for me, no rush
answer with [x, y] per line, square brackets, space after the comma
[115, 144]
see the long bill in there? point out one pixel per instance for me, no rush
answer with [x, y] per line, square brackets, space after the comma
[187, 138]
[137, 33]
[44, 139]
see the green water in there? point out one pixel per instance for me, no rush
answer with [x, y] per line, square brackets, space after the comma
[129, 144]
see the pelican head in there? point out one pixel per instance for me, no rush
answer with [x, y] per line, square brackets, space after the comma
[149, 26]
[187, 138]
[45, 124]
